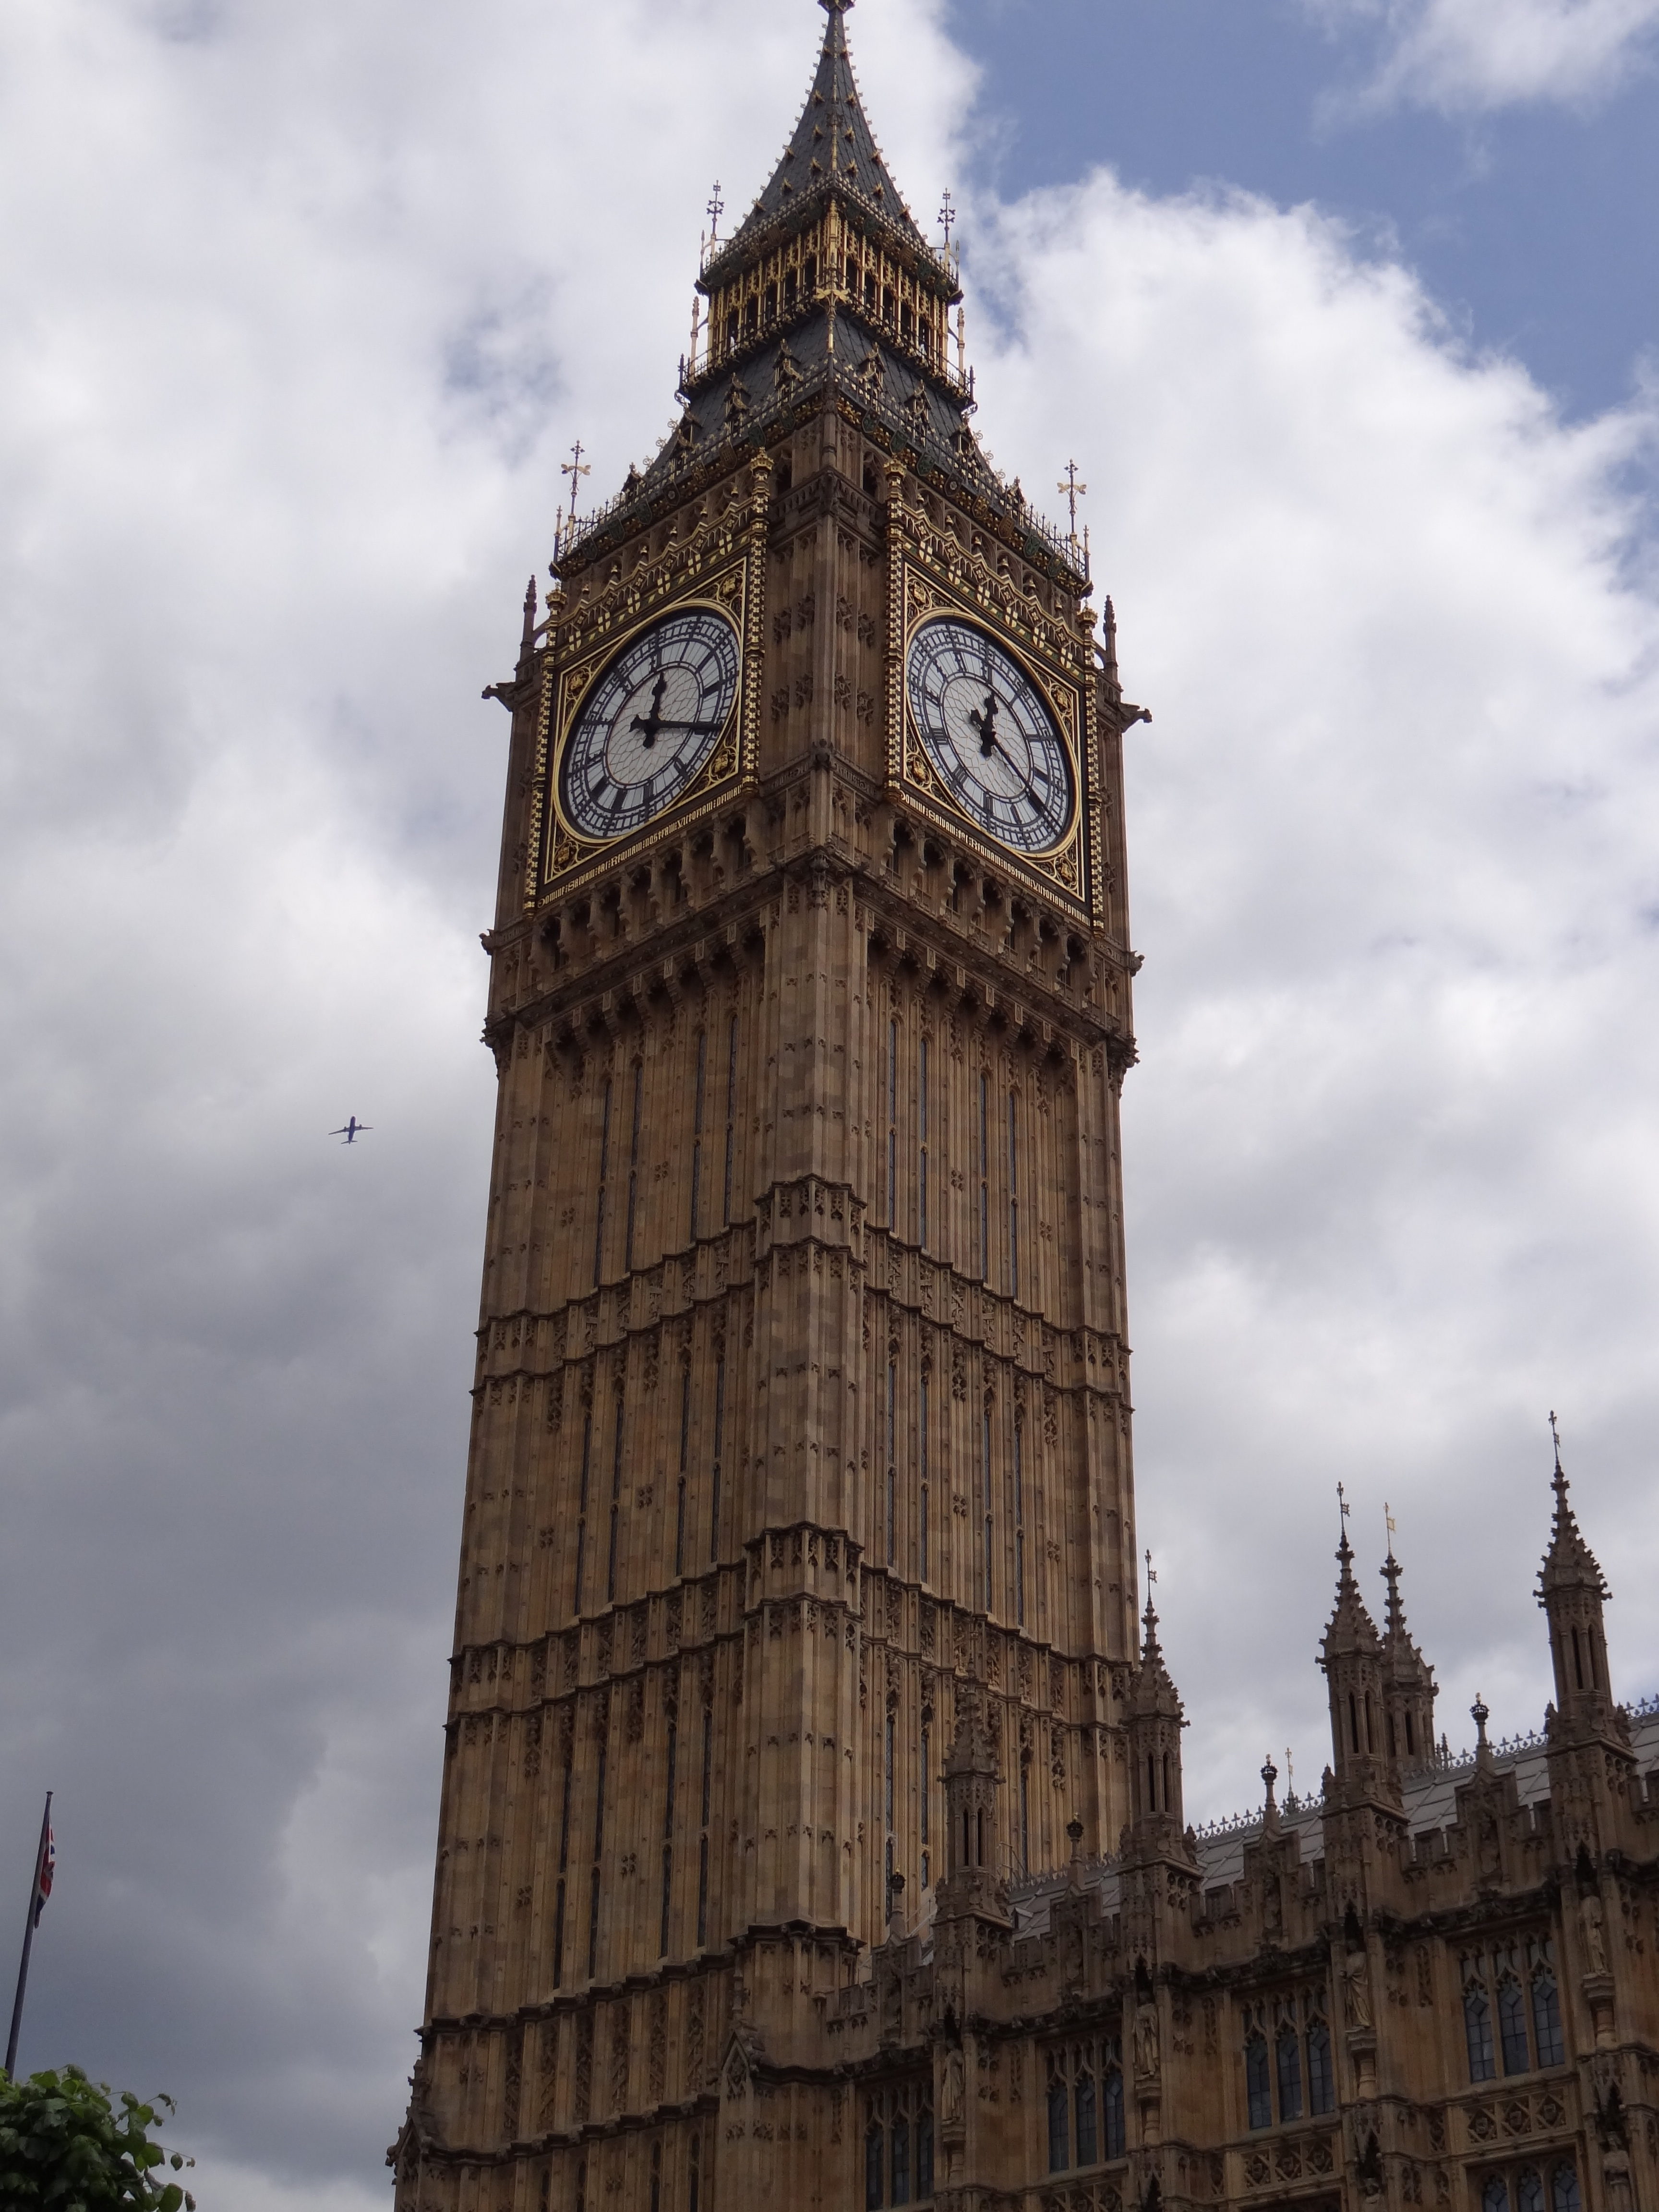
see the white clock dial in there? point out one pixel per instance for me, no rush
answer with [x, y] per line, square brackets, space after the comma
[645, 730]
[991, 736]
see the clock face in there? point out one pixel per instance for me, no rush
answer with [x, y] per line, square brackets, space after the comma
[645, 730]
[990, 736]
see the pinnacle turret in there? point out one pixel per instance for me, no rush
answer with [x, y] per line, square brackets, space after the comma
[1154, 1720]
[1572, 1591]
[1352, 1656]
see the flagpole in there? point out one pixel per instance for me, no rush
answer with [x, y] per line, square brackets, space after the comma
[28, 1941]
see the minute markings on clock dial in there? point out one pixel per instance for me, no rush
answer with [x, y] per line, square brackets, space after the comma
[645, 730]
[990, 736]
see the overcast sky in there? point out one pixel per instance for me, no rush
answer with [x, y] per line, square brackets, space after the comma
[1345, 310]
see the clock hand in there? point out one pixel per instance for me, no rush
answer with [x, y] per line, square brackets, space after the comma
[985, 724]
[990, 743]
[650, 724]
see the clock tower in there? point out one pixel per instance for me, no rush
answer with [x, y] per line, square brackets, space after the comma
[796, 1594]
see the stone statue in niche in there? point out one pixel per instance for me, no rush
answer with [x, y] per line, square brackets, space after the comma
[1146, 2051]
[1596, 1945]
[952, 2093]
[1356, 1991]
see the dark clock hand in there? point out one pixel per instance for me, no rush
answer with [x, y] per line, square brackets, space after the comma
[990, 743]
[697, 729]
[985, 724]
[651, 723]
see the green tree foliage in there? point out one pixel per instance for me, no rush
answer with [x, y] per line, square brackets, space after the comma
[65, 2148]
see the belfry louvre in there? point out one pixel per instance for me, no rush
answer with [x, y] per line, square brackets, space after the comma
[812, 1819]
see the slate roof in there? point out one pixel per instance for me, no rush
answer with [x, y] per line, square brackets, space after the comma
[1430, 1796]
[832, 140]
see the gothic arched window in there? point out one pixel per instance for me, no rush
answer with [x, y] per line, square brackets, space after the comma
[1114, 2101]
[1529, 2191]
[1088, 2121]
[1321, 2078]
[1564, 2189]
[1512, 2025]
[1290, 2073]
[1477, 2030]
[875, 2167]
[1495, 2197]
[1059, 2139]
[1258, 2082]
[901, 2160]
[1547, 2018]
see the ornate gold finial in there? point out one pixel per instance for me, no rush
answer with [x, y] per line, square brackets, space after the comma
[575, 468]
[1073, 491]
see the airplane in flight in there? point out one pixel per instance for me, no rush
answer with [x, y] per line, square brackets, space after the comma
[353, 1130]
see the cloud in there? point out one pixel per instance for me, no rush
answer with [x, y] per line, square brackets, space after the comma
[298, 310]
[1463, 55]
[1393, 1187]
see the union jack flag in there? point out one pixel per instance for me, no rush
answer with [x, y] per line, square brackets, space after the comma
[43, 1887]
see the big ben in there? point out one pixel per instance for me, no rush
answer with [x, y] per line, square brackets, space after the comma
[796, 1609]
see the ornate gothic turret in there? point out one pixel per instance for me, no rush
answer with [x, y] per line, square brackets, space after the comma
[1408, 1685]
[1362, 1772]
[973, 1775]
[828, 286]
[1572, 1592]
[1157, 1828]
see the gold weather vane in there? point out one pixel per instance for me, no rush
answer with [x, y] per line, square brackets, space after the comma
[715, 210]
[1073, 491]
[575, 468]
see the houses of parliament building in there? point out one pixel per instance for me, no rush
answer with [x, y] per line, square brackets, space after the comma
[812, 1827]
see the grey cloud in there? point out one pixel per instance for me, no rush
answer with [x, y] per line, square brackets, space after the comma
[299, 313]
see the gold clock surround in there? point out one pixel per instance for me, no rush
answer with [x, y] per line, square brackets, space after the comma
[558, 854]
[923, 593]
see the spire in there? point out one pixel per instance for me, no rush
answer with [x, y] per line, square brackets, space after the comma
[1154, 1721]
[1149, 1651]
[1568, 1564]
[1409, 1688]
[1572, 1592]
[1350, 1628]
[833, 140]
[1352, 1657]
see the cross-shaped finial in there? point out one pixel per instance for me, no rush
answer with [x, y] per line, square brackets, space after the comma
[575, 468]
[1151, 1571]
[1343, 1506]
[1073, 491]
[1555, 1438]
[716, 209]
[947, 216]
